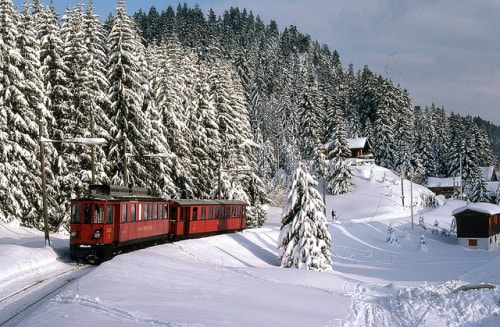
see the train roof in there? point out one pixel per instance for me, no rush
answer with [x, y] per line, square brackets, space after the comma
[118, 193]
[123, 193]
[202, 202]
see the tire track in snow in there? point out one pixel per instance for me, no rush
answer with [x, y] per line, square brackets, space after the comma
[123, 315]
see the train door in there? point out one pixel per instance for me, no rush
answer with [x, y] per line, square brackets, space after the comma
[186, 218]
[173, 219]
[113, 219]
[120, 217]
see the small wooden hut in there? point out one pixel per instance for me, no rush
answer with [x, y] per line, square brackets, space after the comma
[478, 226]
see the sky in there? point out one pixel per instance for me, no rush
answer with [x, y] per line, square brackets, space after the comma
[445, 52]
[236, 280]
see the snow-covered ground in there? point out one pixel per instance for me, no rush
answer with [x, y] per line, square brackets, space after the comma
[234, 279]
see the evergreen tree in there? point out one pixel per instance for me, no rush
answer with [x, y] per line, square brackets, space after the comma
[479, 192]
[21, 95]
[304, 241]
[339, 171]
[128, 78]
[497, 194]
[384, 131]
[78, 99]
[174, 89]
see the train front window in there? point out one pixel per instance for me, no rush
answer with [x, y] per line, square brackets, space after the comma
[75, 213]
[98, 213]
[109, 214]
[87, 212]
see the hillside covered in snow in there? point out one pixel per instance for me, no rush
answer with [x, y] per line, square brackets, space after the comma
[235, 279]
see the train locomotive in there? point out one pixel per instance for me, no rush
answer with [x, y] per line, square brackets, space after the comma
[111, 219]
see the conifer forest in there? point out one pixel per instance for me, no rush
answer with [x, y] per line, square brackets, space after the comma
[194, 105]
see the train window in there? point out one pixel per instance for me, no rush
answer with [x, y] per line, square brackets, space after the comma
[139, 211]
[184, 214]
[98, 213]
[109, 214]
[210, 213]
[145, 211]
[75, 213]
[233, 211]
[132, 212]
[203, 213]
[160, 211]
[228, 212]
[124, 212]
[155, 211]
[87, 212]
[217, 213]
[195, 214]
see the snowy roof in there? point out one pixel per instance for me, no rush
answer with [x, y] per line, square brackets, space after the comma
[357, 143]
[492, 187]
[488, 173]
[487, 208]
[443, 182]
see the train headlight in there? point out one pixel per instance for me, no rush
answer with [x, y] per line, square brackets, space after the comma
[97, 234]
[73, 233]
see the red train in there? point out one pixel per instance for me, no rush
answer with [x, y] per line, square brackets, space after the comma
[111, 219]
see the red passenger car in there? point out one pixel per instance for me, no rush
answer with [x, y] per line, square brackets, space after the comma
[195, 218]
[111, 219]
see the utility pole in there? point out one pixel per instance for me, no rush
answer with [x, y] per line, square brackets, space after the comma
[44, 181]
[461, 180]
[92, 147]
[402, 189]
[125, 167]
[411, 201]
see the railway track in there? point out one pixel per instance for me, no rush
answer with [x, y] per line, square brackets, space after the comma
[19, 304]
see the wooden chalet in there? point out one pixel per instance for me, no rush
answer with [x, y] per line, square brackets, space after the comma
[443, 186]
[359, 146]
[478, 225]
[360, 151]
[447, 186]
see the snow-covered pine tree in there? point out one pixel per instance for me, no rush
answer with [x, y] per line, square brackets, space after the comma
[497, 198]
[206, 142]
[304, 241]
[21, 95]
[77, 97]
[464, 152]
[384, 133]
[311, 116]
[127, 75]
[479, 192]
[35, 90]
[174, 90]
[339, 175]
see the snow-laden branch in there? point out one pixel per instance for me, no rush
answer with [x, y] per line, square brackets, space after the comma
[79, 140]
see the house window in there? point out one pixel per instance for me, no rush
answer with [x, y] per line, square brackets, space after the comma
[472, 242]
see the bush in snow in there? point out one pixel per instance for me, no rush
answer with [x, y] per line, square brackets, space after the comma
[304, 241]
[372, 175]
[435, 228]
[453, 227]
[421, 245]
[391, 237]
[421, 223]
